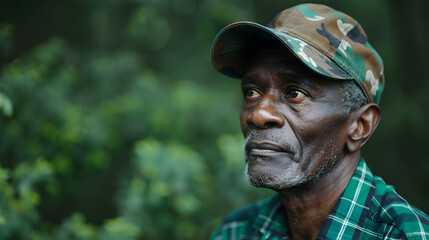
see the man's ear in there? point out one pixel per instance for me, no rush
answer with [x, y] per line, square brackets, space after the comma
[363, 123]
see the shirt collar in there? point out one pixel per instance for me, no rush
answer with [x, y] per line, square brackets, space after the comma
[271, 219]
[350, 212]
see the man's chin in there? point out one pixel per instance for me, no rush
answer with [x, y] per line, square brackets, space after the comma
[288, 179]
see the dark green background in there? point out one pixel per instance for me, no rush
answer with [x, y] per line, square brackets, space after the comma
[121, 128]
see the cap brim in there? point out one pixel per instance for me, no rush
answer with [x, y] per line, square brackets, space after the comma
[230, 50]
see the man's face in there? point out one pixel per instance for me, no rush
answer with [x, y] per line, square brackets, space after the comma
[293, 121]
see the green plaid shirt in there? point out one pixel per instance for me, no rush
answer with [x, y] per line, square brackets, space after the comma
[368, 209]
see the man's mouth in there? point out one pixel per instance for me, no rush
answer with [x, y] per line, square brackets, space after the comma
[265, 149]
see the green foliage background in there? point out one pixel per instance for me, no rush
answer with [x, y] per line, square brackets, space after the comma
[114, 125]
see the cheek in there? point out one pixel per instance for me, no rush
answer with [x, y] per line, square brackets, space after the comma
[320, 125]
[322, 138]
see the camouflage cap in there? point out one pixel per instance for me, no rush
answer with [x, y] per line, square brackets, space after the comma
[327, 41]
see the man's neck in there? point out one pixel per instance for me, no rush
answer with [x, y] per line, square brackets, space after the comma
[308, 206]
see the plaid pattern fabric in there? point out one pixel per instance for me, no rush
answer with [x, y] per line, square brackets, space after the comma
[368, 209]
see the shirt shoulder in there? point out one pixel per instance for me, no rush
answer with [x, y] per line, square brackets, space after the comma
[389, 208]
[239, 222]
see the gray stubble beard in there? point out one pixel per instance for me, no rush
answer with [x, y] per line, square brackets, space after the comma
[290, 177]
[293, 175]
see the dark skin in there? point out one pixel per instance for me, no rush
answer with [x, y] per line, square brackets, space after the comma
[300, 142]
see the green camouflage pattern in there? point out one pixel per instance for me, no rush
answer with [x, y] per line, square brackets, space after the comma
[327, 41]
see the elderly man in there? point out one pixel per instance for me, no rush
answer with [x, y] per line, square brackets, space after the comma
[311, 84]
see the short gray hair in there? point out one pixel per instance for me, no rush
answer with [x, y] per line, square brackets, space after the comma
[352, 96]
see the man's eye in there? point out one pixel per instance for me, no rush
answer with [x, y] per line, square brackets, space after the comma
[296, 95]
[252, 93]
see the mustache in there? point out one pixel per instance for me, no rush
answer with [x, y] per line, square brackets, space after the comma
[266, 136]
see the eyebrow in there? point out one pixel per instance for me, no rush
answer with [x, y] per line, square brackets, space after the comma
[298, 79]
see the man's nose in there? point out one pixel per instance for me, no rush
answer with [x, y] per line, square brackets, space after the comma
[266, 115]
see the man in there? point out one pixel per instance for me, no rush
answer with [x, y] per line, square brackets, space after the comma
[311, 84]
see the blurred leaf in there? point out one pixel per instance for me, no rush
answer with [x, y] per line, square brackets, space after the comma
[6, 105]
[121, 227]
[75, 228]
